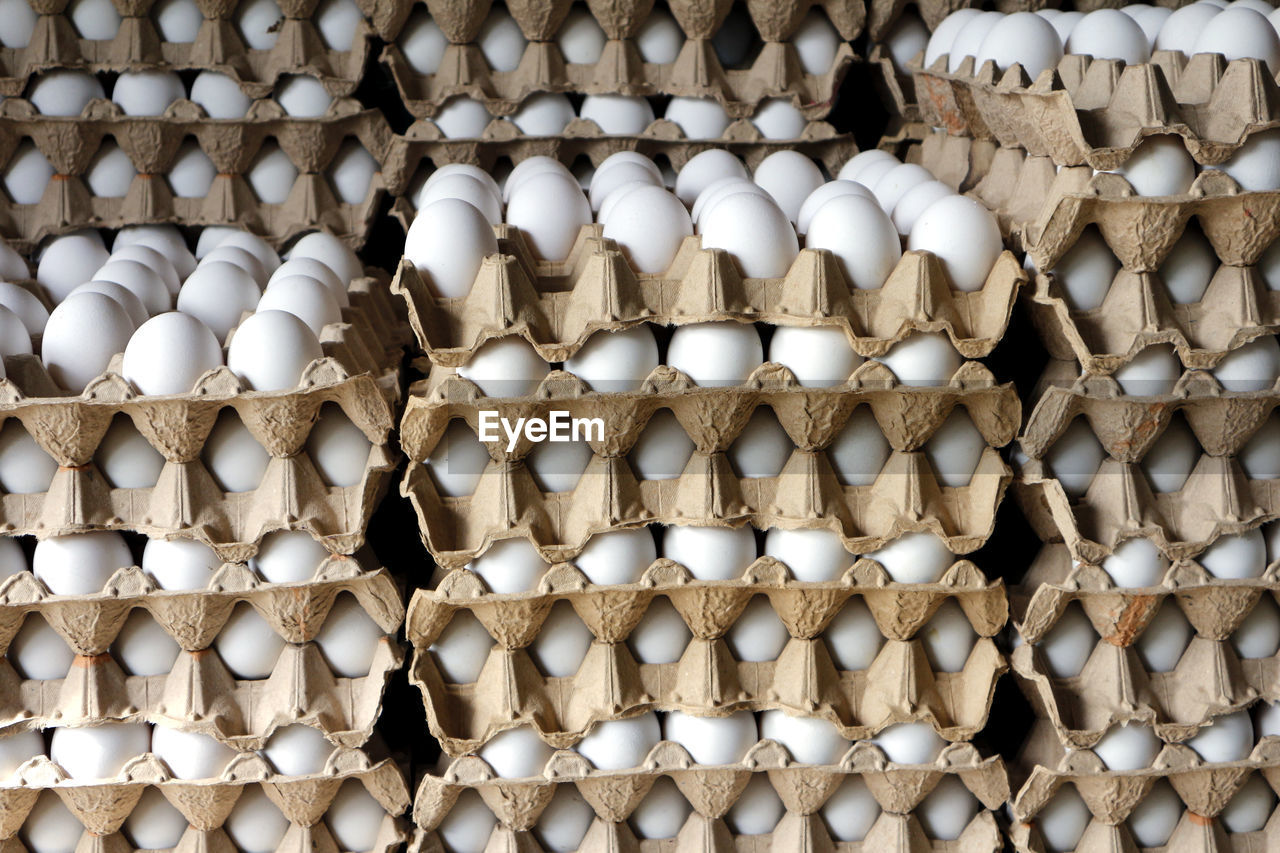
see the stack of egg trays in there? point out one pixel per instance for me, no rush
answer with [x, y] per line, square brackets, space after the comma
[152, 143]
[696, 71]
[218, 46]
[556, 306]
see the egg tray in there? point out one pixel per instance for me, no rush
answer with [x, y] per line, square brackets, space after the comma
[712, 791]
[1046, 765]
[610, 684]
[896, 92]
[218, 46]
[556, 306]
[102, 807]
[906, 496]
[152, 143]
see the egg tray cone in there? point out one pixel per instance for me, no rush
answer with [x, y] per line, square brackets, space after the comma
[199, 693]
[1095, 112]
[218, 46]
[896, 91]
[558, 306]
[906, 496]
[712, 791]
[898, 686]
[152, 144]
[102, 806]
[1045, 766]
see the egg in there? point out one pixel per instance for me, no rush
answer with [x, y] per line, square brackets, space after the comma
[1135, 563]
[14, 337]
[650, 225]
[192, 172]
[1225, 738]
[1181, 30]
[1170, 460]
[461, 648]
[147, 93]
[1063, 820]
[850, 811]
[27, 174]
[305, 298]
[777, 118]
[169, 353]
[662, 812]
[721, 189]
[1160, 166]
[1154, 371]
[859, 451]
[354, 817]
[1151, 19]
[1021, 38]
[1267, 720]
[154, 824]
[288, 556]
[613, 176]
[968, 39]
[50, 827]
[754, 232]
[271, 174]
[757, 809]
[813, 556]
[232, 456]
[338, 22]
[944, 34]
[954, 450]
[1252, 367]
[448, 240]
[852, 636]
[349, 639]
[457, 462]
[914, 558]
[505, 367]
[562, 643]
[710, 553]
[809, 740]
[816, 41]
[1074, 458]
[663, 449]
[143, 648]
[219, 95]
[190, 755]
[863, 161]
[110, 172]
[351, 172]
[1166, 637]
[179, 563]
[501, 41]
[217, 295]
[22, 302]
[1188, 268]
[330, 251]
[1241, 33]
[509, 566]
[963, 235]
[617, 556]
[896, 182]
[422, 42]
[789, 177]
[25, 469]
[144, 282]
[659, 38]
[712, 741]
[1236, 556]
[617, 114]
[820, 196]
[39, 653]
[620, 744]
[1155, 816]
[948, 638]
[715, 354]
[1255, 165]
[758, 635]
[948, 809]
[1258, 636]
[297, 750]
[247, 645]
[17, 23]
[550, 210]
[271, 350]
[1109, 34]
[63, 92]
[531, 167]
[258, 22]
[98, 752]
[704, 169]
[1260, 456]
[254, 824]
[915, 201]
[661, 636]
[762, 448]
[13, 560]
[1250, 808]
[910, 743]
[543, 114]
[564, 822]
[79, 563]
[468, 824]
[697, 118]
[165, 239]
[867, 262]
[470, 188]
[818, 356]
[1128, 747]
[581, 40]
[338, 448]
[922, 360]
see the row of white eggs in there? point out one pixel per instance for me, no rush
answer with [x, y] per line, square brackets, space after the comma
[254, 824]
[1067, 646]
[661, 637]
[66, 92]
[861, 217]
[124, 302]
[848, 814]
[1064, 818]
[1038, 40]
[1085, 272]
[179, 21]
[581, 40]
[271, 174]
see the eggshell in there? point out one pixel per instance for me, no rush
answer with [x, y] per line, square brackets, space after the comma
[649, 225]
[258, 21]
[605, 181]
[789, 177]
[1255, 165]
[422, 42]
[466, 188]
[948, 809]
[147, 93]
[1154, 817]
[39, 653]
[659, 38]
[288, 556]
[501, 41]
[704, 169]
[154, 824]
[25, 468]
[1258, 636]
[850, 811]
[354, 817]
[1182, 29]
[351, 172]
[110, 172]
[562, 643]
[141, 280]
[915, 201]
[509, 565]
[169, 353]
[543, 114]
[859, 450]
[1161, 166]
[219, 95]
[1074, 458]
[152, 259]
[1063, 820]
[550, 210]
[1022, 38]
[715, 354]
[254, 824]
[63, 92]
[180, 563]
[13, 560]
[529, 167]
[1161, 644]
[1239, 32]
[918, 557]
[462, 118]
[1136, 563]
[1155, 370]
[1188, 268]
[663, 449]
[758, 634]
[461, 648]
[762, 448]
[557, 467]
[297, 750]
[662, 812]
[922, 360]
[338, 22]
[17, 22]
[580, 38]
[79, 563]
[233, 457]
[143, 647]
[1252, 367]
[710, 553]
[468, 824]
[165, 239]
[697, 118]
[457, 462]
[177, 21]
[944, 35]
[27, 174]
[661, 635]
[1267, 719]
[271, 349]
[1128, 747]
[305, 298]
[866, 262]
[98, 752]
[190, 755]
[910, 743]
[757, 809]
[217, 295]
[721, 189]
[617, 556]
[271, 174]
[1109, 34]
[897, 182]
[1169, 461]
[50, 827]
[968, 39]
[809, 740]
[963, 235]
[12, 265]
[777, 118]
[349, 639]
[712, 741]
[14, 337]
[820, 196]
[816, 41]
[852, 636]
[955, 449]
[1151, 19]
[948, 638]
[811, 555]
[311, 268]
[1236, 556]
[505, 367]
[247, 645]
[1225, 738]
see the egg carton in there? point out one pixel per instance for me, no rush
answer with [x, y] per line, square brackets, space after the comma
[557, 306]
[1205, 789]
[712, 791]
[152, 142]
[1217, 499]
[358, 373]
[883, 14]
[103, 806]
[610, 684]
[906, 497]
[218, 46]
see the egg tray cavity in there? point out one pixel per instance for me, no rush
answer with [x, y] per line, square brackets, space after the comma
[217, 47]
[906, 496]
[1205, 788]
[899, 685]
[712, 791]
[102, 807]
[557, 306]
[152, 144]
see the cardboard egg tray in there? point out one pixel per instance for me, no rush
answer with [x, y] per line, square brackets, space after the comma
[359, 372]
[557, 306]
[712, 791]
[152, 143]
[899, 686]
[218, 47]
[102, 807]
[199, 693]
[1205, 789]
[906, 496]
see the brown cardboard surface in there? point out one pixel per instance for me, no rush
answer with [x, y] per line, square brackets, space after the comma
[559, 305]
[904, 498]
[898, 686]
[217, 47]
[896, 90]
[103, 806]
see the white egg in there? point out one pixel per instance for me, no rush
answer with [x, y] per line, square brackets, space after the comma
[1151, 19]
[448, 241]
[922, 360]
[562, 642]
[812, 555]
[1182, 29]
[50, 827]
[288, 556]
[247, 645]
[964, 236]
[697, 118]
[1022, 38]
[1161, 644]
[338, 22]
[661, 636]
[466, 187]
[25, 468]
[165, 239]
[190, 755]
[1074, 458]
[1136, 563]
[232, 456]
[39, 653]
[1225, 738]
[1154, 817]
[1154, 371]
[271, 349]
[867, 262]
[968, 39]
[98, 752]
[354, 817]
[461, 648]
[850, 811]
[13, 560]
[297, 750]
[919, 557]
[762, 448]
[63, 92]
[1252, 367]
[1128, 747]
[329, 250]
[14, 337]
[271, 174]
[144, 648]
[1251, 807]
[169, 353]
[177, 21]
[712, 741]
[217, 295]
[564, 822]
[663, 449]
[662, 812]
[948, 638]
[457, 462]
[1258, 636]
[659, 38]
[823, 194]
[620, 744]
[915, 201]
[505, 367]
[351, 172]
[550, 210]
[715, 354]
[338, 448]
[543, 114]
[305, 298]
[528, 168]
[501, 41]
[704, 169]
[816, 41]
[944, 35]
[852, 636]
[422, 41]
[1160, 166]
[954, 450]
[27, 174]
[246, 261]
[258, 22]
[650, 225]
[809, 740]
[1188, 268]
[154, 824]
[254, 824]
[1236, 556]
[625, 115]
[897, 182]
[468, 824]
[144, 282]
[179, 563]
[219, 95]
[1169, 461]
[777, 118]
[710, 553]
[719, 190]
[758, 634]
[614, 174]
[1109, 34]
[147, 93]
[1241, 33]
[192, 172]
[947, 810]
[349, 639]
[17, 23]
[1255, 165]
[861, 162]
[859, 451]
[79, 563]
[22, 302]
[509, 566]
[757, 809]
[789, 177]
[1267, 719]
[615, 361]
[1063, 820]
[910, 743]
[110, 172]
[617, 556]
